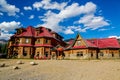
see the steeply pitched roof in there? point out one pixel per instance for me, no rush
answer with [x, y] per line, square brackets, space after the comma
[44, 33]
[87, 44]
[28, 32]
[96, 43]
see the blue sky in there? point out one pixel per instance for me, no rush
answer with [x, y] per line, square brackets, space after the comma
[90, 18]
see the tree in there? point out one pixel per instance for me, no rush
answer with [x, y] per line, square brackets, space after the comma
[3, 48]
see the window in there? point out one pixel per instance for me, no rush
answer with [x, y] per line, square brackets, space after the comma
[46, 41]
[46, 54]
[38, 40]
[26, 40]
[37, 54]
[17, 41]
[78, 42]
[25, 53]
[20, 40]
[91, 54]
[79, 54]
[112, 54]
[15, 54]
[101, 54]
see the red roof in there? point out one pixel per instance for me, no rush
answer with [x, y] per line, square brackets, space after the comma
[44, 33]
[71, 41]
[99, 43]
[105, 43]
[28, 32]
[89, 44]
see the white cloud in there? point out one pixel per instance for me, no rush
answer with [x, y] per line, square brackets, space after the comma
[47, 4]
[31, 16]
[71, 29]
[11, 10]
[9, 26]
[52, 19]
[75, 10]
[68, 31]
[118, 37]
[5, 36]
[27, 8]
[37, 5]
[93, 22]
[55, 5]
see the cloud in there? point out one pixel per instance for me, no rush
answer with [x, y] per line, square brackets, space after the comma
[37, 5]
[103, 29]
[22, 13]
[47, 4]
[68, 31]
[11, 10]
[1, 14]
[27, 8]
[31, 16]
[51, 20]
[93, 22]
[5, 36]
[86, 13]
[75, 10]
[7, 28]
[71, 29]
[118, 37]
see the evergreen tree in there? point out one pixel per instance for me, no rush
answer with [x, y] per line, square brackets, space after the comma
[3, 48]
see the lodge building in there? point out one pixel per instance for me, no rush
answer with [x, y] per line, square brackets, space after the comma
[43, 43]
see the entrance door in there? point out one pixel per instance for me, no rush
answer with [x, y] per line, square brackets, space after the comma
[46, 54]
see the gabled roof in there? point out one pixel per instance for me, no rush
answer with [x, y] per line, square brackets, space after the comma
[72, 43]
[95, 43]
[28, 32]
[78, 35]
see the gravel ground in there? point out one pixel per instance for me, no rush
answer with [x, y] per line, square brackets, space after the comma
[60, 70]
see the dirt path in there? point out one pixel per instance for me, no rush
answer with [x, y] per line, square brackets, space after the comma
[61, 70]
